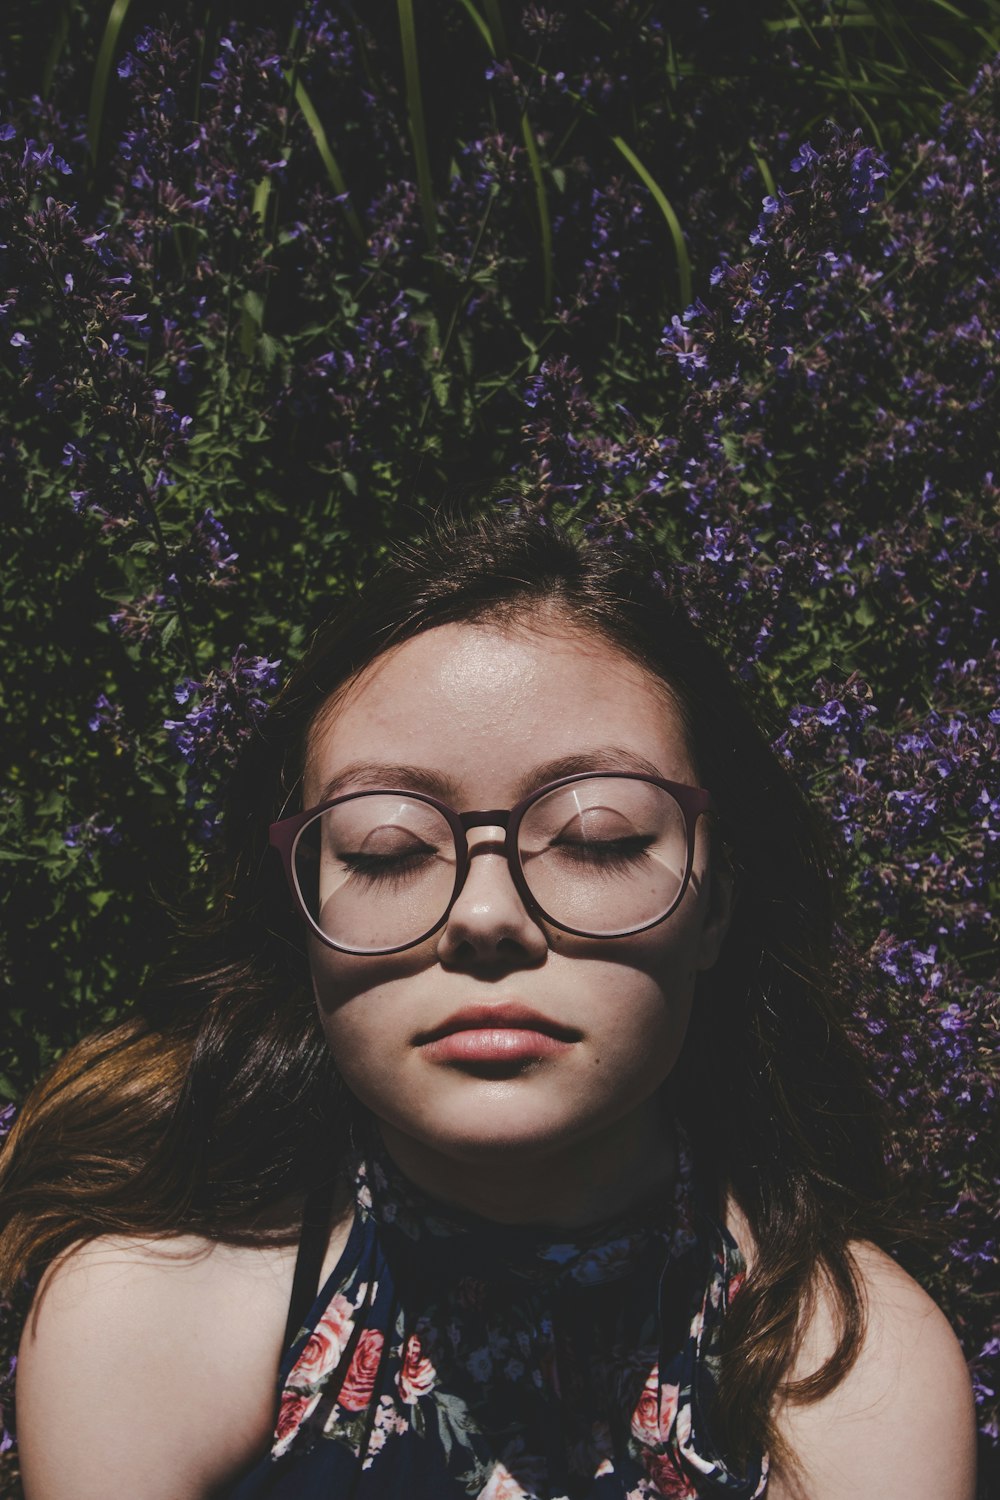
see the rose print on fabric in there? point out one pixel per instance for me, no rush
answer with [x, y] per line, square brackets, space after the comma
[359, 1382]
[293, 1412]
[325, 1344]
[655, 1410]
[388, 1423]
[475, 1361]
[646, 1417]
[417, 1376]
[503, 1486]
[320, 1356]
[668, 1479]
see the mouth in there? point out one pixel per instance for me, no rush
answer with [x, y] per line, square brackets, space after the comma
[499, 1018]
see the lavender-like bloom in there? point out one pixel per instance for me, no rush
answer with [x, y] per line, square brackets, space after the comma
[227, 707]
[89, 835]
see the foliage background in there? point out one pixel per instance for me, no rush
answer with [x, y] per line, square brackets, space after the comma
[265, 296]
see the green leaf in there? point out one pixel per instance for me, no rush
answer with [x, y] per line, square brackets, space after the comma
[441, 387]
[268, 347]
[327, 157]
[60, 32]
[764, 170]
[480, 24]
[494, 16]
[542, 203]
[415, 110]
[250, 322]
[102, 70]
[261, 194]
[667, 210]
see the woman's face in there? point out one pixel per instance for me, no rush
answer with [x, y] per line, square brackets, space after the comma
[480, 715]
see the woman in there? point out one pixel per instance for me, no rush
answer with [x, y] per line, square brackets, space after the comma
[589, 1181]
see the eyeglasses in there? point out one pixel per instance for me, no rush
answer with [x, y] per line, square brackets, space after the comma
[600, 855]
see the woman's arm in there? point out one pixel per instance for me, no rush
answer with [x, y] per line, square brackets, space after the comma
[149, 1370]
[901, 1424]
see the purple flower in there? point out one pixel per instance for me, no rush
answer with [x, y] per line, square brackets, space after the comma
[227, 707]
[806, 157]
[90, 834]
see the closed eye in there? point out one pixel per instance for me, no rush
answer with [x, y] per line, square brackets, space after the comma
[387, 869]
[608, 855]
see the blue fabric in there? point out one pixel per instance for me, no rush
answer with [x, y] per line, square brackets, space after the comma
[449, 1357]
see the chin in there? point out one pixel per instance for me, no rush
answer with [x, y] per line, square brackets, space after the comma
[493, 1133]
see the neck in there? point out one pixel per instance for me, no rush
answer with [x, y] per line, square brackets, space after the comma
[568, 1186]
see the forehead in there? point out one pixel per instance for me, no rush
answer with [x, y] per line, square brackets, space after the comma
[483, 705]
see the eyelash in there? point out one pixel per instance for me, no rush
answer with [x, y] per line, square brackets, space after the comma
[604, 856]
[612, 854]
[382, 869]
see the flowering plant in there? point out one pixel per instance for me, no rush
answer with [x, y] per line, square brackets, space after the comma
[263, 295]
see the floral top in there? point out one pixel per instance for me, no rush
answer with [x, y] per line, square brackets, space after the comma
[449, 1357]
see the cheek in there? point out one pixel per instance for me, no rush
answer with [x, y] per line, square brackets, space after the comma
[340, 977]
[359, 1041]
[667, 955]
[644, 987]
[364, 1013]
[634, 997]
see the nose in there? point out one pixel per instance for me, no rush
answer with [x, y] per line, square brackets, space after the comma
[489, 925]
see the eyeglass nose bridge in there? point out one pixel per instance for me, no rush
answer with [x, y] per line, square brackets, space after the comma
[507, 819]
[497, 817]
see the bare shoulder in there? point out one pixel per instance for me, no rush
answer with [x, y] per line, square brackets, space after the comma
[132, 1344]
[901, 1424]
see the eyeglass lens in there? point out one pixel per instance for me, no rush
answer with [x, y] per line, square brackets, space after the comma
[603, 856]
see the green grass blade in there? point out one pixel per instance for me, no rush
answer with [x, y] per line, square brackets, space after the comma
[541, 199]
[494, 17]
[797, 12]
[480, 24]
[60, 32]
[261, 194]
[418, 129]
[828, 23]
[765, 171]
[327, 157]
[667, 210]
[102, 70]
[251, 323]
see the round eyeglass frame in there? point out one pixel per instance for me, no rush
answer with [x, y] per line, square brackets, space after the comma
[284, 835]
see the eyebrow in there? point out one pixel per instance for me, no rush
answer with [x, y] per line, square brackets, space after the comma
[394, 776]
[388, 776]
[601, 758]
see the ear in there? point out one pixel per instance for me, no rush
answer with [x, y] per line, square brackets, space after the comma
[721, 899]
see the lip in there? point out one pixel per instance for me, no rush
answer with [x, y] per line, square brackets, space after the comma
[502, 1046]
[505, 1036]
[496, 1020]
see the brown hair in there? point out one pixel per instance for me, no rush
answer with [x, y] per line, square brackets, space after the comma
[210, 1108]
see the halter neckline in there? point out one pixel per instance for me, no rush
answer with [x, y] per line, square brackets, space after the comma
[441, 1240]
